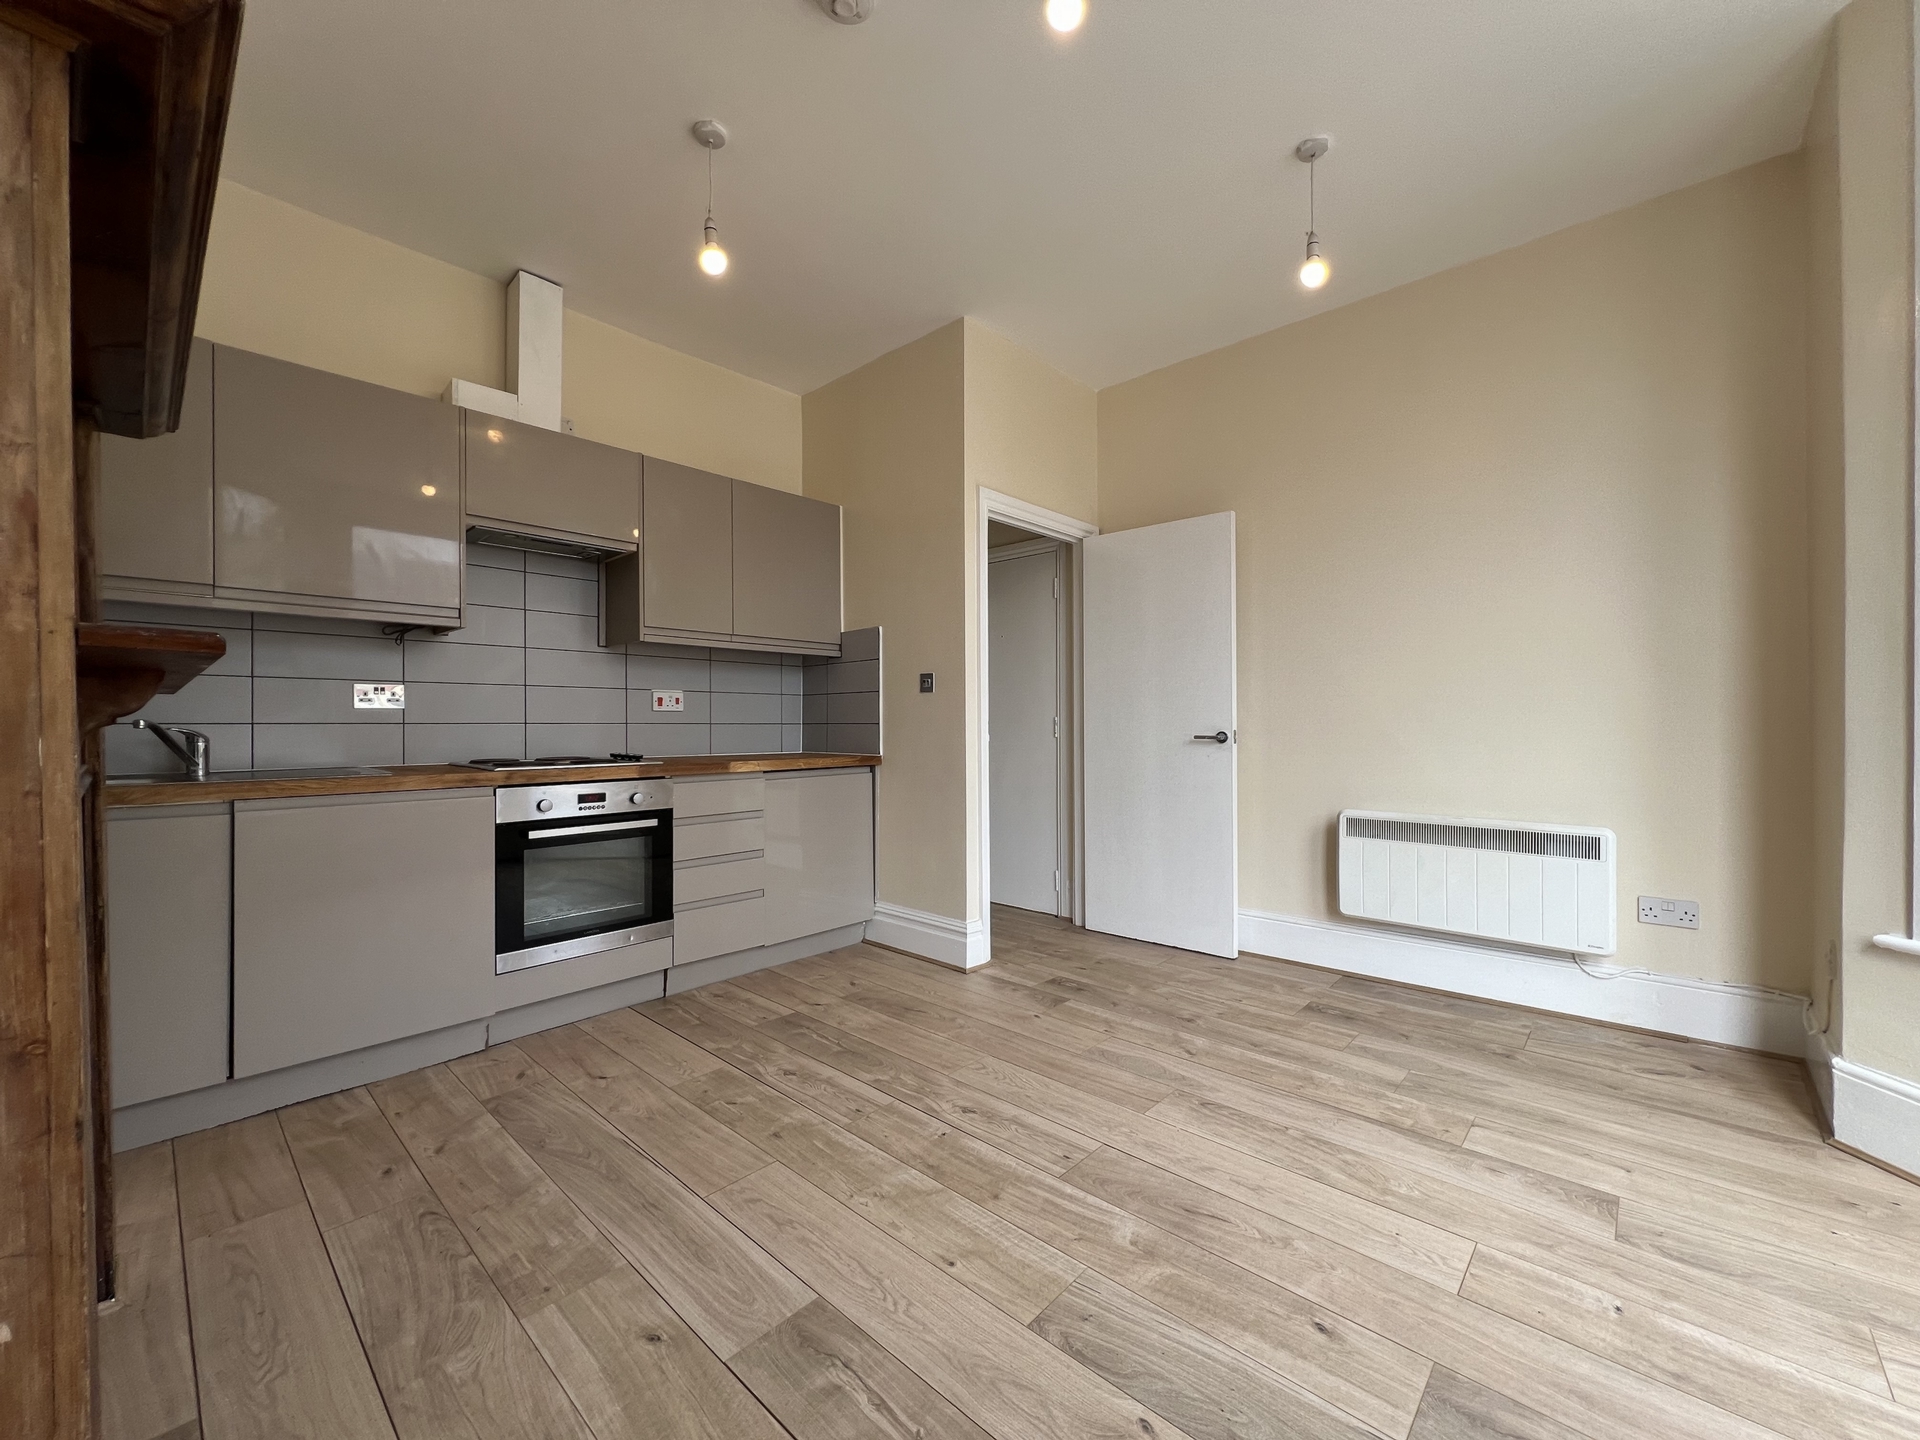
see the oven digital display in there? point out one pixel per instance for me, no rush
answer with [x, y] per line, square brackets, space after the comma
[596, 797]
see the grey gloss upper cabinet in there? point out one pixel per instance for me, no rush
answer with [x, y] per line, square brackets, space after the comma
[723, 562]
[786, 569]
[687, 550]
[530, 479]
[156, 500]
[333, 496]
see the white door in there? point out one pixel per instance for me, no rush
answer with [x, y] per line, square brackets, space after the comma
[1162, 852]
[1023, 729]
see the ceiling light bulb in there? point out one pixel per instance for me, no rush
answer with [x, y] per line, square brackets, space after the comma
[1314, 270]
[429, 490]
[1066, 16]
[713, 259]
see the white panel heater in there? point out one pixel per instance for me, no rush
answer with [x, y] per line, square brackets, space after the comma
[1545, 885]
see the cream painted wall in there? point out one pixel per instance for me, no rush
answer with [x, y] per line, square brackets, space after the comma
[887, 443]
[1526, 540]
[285, 282]
[1031, 432]
[1868, 499]
[904, 444]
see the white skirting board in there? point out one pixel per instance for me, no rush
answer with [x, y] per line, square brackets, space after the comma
[1868, 1110]
[1743, 1015]
[959, 943]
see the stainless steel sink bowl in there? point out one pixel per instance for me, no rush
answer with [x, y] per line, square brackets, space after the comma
[314, 772]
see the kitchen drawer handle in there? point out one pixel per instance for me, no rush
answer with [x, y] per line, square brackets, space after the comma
[590, 829]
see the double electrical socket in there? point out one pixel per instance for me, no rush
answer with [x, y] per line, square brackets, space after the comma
[1656, 910]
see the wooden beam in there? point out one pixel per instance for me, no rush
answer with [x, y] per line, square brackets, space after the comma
[152, 83]
[46, 1249]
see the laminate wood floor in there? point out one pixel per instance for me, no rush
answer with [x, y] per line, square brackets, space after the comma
[1097, 1189]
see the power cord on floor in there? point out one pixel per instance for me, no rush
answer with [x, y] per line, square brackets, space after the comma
[1592, 974]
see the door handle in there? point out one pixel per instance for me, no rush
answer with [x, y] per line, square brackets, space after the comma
[1219, 737]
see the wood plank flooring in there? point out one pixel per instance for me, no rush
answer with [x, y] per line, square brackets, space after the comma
[1097, 1189]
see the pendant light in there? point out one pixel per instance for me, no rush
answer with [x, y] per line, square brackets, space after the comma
[1066, 16]
[713, 259]
[1314, 270]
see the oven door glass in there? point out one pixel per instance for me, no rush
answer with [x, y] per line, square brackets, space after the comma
[559, 881]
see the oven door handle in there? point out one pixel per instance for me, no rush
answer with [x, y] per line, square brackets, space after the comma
[591, 829]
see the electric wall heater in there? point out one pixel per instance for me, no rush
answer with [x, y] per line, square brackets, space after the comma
[1545, 885]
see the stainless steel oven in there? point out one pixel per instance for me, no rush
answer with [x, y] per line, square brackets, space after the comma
[580, 868]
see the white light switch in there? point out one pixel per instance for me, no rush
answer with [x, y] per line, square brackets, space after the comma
[669, 699]
[379, 696]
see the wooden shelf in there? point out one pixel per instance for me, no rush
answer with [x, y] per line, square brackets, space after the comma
[122, 667]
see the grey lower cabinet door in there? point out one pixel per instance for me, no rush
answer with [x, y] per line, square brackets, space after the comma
[156, 500]
[532, 478]
[333, 496]
[358, 919]
[786, 568]
[169, 943]
[819, 857]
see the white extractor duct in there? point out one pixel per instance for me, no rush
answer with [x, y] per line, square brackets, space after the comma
[534, 317]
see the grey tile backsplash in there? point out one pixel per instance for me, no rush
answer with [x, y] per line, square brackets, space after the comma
[840, 699]
[525, 677]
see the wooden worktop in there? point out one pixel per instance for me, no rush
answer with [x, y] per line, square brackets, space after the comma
[461, 777]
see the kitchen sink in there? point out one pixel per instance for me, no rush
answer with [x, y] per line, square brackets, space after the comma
[312, 772]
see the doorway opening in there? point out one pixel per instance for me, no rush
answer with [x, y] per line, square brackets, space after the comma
[1029, 772]
[1029, 699]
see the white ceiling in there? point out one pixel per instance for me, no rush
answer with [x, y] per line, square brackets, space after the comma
[1115, 201]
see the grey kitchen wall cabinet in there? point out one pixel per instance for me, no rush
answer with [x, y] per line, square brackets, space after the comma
[156, 501]
[358, 919]
[786, 570]
[333, 496]
[169, 946]
[530, 480]
[687, 551]
[726, 563]
[819, 851]
[679, 588]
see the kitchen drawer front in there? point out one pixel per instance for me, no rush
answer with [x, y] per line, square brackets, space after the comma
[704, 839]
[703, 884]
[719, 930]
[584, 972]
[734, 795]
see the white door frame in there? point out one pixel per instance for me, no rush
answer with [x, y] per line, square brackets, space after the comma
[1054, 526]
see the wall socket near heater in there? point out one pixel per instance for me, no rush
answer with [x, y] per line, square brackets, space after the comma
[1657, 910]
[669, 700]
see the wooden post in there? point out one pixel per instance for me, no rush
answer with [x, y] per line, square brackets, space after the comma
[46, 1252]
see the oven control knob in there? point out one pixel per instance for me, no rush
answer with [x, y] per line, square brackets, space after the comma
[544, 806]
[639, 797]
